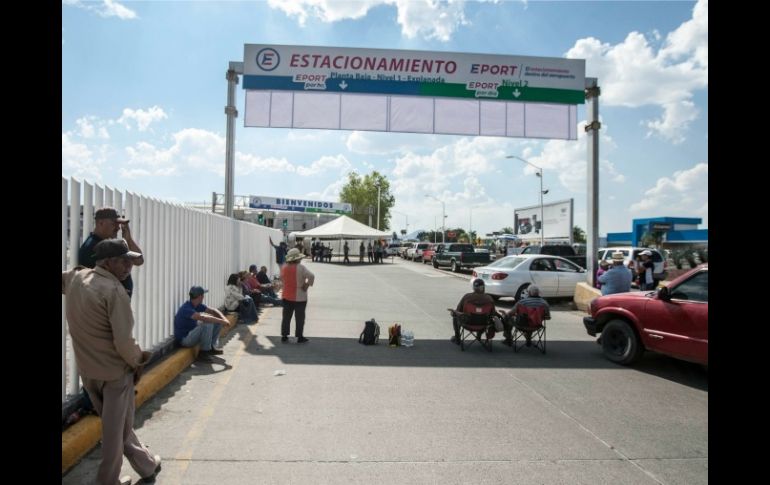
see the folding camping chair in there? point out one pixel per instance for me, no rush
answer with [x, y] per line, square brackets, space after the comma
[476, 321]
[529, 328]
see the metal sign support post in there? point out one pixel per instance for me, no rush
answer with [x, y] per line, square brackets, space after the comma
[592, 142]
[232, 112]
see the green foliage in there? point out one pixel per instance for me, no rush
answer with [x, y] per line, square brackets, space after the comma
[653, 239]
[361, 192]
[578, 235]
[506, 230]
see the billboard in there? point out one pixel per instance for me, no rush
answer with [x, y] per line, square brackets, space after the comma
[414, 73]
[556, 223]
[298, 205]
[341, 88]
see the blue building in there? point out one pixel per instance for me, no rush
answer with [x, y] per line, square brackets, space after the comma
[676, 231]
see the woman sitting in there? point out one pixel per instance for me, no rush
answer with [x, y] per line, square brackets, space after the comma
[235, 300]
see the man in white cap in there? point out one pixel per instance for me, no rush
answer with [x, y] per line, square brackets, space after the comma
[618, 278]
[646, 279]
[109, 360]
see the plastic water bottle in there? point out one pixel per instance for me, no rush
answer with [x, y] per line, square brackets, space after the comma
[407, 338]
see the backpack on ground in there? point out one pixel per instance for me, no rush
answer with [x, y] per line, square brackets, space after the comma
[371, 333]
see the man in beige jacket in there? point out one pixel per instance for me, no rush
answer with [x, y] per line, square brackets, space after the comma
[110, 362]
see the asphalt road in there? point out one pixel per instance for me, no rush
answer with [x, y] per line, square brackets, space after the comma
[340, 412]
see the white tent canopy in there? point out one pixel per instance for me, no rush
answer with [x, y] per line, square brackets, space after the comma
[344, 227]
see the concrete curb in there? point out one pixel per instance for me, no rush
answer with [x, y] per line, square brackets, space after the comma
[81, 437]
[584, 293]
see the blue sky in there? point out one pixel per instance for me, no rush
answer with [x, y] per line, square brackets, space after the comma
[144, 89]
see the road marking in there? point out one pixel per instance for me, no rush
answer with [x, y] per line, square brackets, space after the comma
[184, 457]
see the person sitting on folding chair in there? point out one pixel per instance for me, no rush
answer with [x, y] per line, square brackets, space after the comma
[477, 297]
[532, 301]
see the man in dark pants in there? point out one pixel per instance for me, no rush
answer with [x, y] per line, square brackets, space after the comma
[109, 360]
[296, 281]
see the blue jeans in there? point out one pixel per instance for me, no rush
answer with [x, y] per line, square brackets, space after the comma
[205, 334]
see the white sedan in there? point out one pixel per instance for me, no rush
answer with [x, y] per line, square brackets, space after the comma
[511, 275]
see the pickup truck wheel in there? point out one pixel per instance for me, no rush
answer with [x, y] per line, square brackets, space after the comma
[521, 292]
[435, 263]
[455, 267]
[620, 343]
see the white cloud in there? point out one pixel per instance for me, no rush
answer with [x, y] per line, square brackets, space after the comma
[92, 127]
[431, 19]
[326, 163]
[79, 160]
[686, 193]
[142, 118]
[377, 143]
[632, 74]
[107, 8]
[567, 160]
[201, 150]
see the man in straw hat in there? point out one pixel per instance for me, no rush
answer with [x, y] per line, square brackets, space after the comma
[296, 281]
[618, 278]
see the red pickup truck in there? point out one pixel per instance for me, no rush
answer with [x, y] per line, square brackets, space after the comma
[671, 321]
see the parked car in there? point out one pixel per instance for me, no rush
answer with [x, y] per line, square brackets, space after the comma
[671, 321]
[511, 275]
[392, 249]
[632, 253]
[458, 256]
[563, 250]
[427, 253]
[415, 253]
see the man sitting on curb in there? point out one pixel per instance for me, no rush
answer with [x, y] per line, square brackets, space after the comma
[195, 323]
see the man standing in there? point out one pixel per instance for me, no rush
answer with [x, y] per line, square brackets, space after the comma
[618, 278]
[195, 323]
[106, 226]
[296, 281]
[280, 251]
[646, 269]
[110, 362]
[346, 250]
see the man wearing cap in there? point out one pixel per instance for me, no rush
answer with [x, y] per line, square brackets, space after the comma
[107, 222]
[296, 281]
[476, 297]
[618, 278]
[647, 281]
[110, 362]
[195, 323]
[532, 300]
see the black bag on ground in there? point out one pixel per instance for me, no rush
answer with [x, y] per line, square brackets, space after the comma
[371, 333]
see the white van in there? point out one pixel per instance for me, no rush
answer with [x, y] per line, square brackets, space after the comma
[632, 253]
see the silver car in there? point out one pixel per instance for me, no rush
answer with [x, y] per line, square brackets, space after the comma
[511, 275]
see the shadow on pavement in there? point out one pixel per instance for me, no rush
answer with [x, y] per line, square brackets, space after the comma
[561, 354]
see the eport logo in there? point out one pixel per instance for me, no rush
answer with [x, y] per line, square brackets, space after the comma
[268, 59]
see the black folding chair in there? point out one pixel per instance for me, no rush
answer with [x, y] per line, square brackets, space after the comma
[476, 323]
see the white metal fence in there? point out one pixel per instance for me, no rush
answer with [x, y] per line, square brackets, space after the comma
[182, 247]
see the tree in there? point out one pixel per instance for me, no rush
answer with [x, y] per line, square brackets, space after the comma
[653, 238]
[362, 194]
[506, 230]
[578, 235]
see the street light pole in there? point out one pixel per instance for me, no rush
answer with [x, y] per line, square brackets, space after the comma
[443, 216]
[539, 174]
[378, 207]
